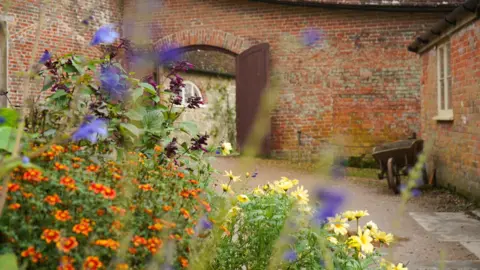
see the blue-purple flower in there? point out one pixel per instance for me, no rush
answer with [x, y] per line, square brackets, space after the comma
[91, 130]
[415, 192]
[290, 256]
[312, 36]
[45, 57]
[330, 203]
[2, 120]
[205, 224]
[105, 35]
[113, 82]
[25, 160]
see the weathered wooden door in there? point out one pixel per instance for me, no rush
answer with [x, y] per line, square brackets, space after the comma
[252, 74]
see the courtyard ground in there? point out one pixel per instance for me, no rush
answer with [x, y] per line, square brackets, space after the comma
[435, 227]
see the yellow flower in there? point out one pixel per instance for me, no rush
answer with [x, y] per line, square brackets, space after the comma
[285, 184]
[247, 175]
[233, 212]
[359, 214]
[243, 198]
[383, 237]
[332, 240]
[338, 225]
[232, 177]
[396, 267]
[362, 241]
[371, 226]
[350, 215]
[227, 188]
[305, 208]
[226, 148]
[301, 195]
[258, 191]
[361, 256]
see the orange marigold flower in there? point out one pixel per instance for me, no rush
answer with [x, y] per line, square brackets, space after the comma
[60, 167]
[153, 244]
[100, 212]
[181, 175]
[195, 182]
[167, 208]
[189, 231]
[183, 261]
[30, 251]
[185, 213]
[32, 175]
[116, 225]
[52, 199]
[138, 241]
[92, 263]
[67, 180]
[75, 165]
[109, 193]
[74, 147]
[50, 236]
[13, 187]
[14, 206]
[206, 205]
[97, 188]
[132, 251]
[65, 244]
[175, 237]
[118, 210]
[116, 176]
[108, 243]
[122, 266]
[66, 263]
[223, 228]
[62, 215]
[93, 168]
[148, 211]
[157, 148]
[37, 257]
[27, 195]
[146, 187]
[155, 227]
[82, 228]
[185, 193]
[76, 159]
[57, 148]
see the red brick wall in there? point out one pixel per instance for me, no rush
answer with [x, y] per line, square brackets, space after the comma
[456, 144]
[62, 32]
[359, 83]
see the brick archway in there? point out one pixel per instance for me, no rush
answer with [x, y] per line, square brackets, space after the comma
[213, 38]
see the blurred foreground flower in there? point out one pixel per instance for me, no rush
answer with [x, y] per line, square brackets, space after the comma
[105, 35]
[90, 131]
[330, 202]
[45, 57]
[290, 256]
[311, 37]
[113, 83]
[226, 148]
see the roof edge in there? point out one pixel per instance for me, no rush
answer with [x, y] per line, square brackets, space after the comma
[362, 6]
[461, 16]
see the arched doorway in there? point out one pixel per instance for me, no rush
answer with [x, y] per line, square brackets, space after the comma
[249, 74]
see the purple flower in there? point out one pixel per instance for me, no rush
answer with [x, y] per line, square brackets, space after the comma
[331, 201]
[254, 174]
[2, 120]
[311, 37]
[217, 152]
[194, 102]
[105, 35]
[45, 57]
[25, 160]
[91, 130]
[199, 142]
[415, 192]
[113, 82]
[151, 81]
[290, 256]
[205, 224]
[171, 148]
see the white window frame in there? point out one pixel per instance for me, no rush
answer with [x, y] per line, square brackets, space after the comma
[445, 113]
[195, 88]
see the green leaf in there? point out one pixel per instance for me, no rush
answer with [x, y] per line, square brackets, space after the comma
[78, 67]
[8, 261]
[58, 94]
[153, 121]
[70, 69]
[149, 88]
[47, 83]
[136, 93]
[10, 116]
[189, 127]
[136, 114]
[132, 129]
[5, 138]
[156, 99]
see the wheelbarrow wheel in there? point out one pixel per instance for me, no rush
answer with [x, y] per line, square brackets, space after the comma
[393, 175]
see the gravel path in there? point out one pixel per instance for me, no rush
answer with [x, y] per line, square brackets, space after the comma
[415, 246]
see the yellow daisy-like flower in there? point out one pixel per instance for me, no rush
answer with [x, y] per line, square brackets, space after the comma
[338, 225]
[233, 212]
[396, 267]
[350, 215]
[301, 195]
[383, 237]
[362, 242]
[332, 240]
[226, 148]
[371, 226]
[285, 184]
[227, 188]
[232, 177]
[258, 191]
[243, 198]
[359, 214]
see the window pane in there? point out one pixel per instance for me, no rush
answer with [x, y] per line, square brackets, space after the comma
[441, 59]
[442, 95]
[449, 93]
[449, 72]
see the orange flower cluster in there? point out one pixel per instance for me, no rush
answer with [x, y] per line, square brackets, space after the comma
[52, 199]
[50, 236]
[32, 253]
[145, 187]
[13, 187]
[92, 263]
[118, 210]
[108, 243]
[60, 167]
[66, 263]
[193, 193]
[62, 215]
[153, 244]
[82, 228]
[93, 168]
[33, 175]
[54, 151]
[14, 206]
[183, 262]
[185, 213]
[107, 192]
[66, 244]
[68, 182]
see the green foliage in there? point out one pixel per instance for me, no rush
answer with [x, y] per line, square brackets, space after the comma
[222, 114]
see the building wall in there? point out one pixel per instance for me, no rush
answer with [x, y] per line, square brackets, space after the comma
[61, 32]
[456, 144]
[357, 87]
